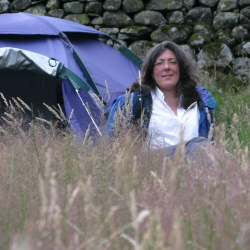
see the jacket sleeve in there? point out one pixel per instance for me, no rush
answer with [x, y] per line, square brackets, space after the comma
[206, 113]
[206, 122]
[119, 104]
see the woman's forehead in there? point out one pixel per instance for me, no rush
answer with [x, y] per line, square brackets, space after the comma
[167, 54]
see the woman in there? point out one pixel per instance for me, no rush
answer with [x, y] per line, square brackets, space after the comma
[167, 102]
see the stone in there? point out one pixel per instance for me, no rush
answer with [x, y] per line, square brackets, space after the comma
[246, 49]
[240, 68]
[132, 6]
[209, 3]
[117, 19]
[140, 48]
[38, 9]
[120, 44]
[190, 52]
[112, 5]
[246, 12]
[4, 6]
[242, 49]
[175, 17]
[199, 14]
[215, 55]
[198, 40]
[240, 34]
[97, 21]
[188, 4]
[78, 18]
[138, 32]
[52, 4]
[227, 5]
[176, 33]
[150, 18]
[225, 36]
[73, 7]
[94, 7]
[203, 28]
[244, 3]
[164, 5]
[59, 13]
[224, 20]
[21, 4]
[110, 31]
[244, 21]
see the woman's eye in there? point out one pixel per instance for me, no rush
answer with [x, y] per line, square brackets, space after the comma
[159, 63]
[173, 62]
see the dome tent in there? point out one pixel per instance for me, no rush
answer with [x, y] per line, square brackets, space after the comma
[47, 53]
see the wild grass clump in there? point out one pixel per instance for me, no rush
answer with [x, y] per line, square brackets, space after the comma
[59, 192]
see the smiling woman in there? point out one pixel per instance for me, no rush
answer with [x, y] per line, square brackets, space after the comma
[168, 106]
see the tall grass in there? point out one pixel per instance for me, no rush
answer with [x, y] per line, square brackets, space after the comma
[57, 192]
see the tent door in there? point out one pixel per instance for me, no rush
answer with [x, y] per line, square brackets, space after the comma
[33, 88]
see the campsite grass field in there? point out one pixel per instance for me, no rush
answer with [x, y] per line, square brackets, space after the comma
[57, 192]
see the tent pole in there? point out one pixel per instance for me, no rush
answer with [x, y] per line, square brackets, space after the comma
[83, 104]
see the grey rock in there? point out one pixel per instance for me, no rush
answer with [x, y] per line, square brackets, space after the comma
[38, 9]
[175, 17]
[112, 4]
[203, 28]
[110, 31]
[244, 3]
[78, 18]
[244, 21]
[73, 7]
[190, 52]
[246, 12]
[209, 3]
[241, 68]
[246, 49]
[224, 20]
[52, 4]
[188, 4]
[227, 5]
[198, 40]
[225, 36]
[215, 55]
[149, 18]
[125, 37]
[137, 32]
[242, 49]
[21, 4]
[59, 13]
[164, 5]
[94, 7]
[132, 6]
[176, 33]
[97, 21]
[4, 6]
[141, 48]
[120, 44]
[199, 14]
[117, 19]
[239, 33]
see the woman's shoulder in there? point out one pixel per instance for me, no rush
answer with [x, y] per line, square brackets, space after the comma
[125, 97]
[207, 97]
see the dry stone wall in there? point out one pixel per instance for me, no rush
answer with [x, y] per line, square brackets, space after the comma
[216, 33]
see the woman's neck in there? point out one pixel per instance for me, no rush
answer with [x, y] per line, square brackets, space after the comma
[172, 100]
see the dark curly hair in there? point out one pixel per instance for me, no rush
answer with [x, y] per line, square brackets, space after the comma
[186, 87]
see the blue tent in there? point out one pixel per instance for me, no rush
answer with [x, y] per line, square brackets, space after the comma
[39, 54]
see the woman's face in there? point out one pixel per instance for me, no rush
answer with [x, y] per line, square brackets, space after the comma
[166, 72]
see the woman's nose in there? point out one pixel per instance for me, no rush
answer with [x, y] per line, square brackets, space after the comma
[166, 65]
